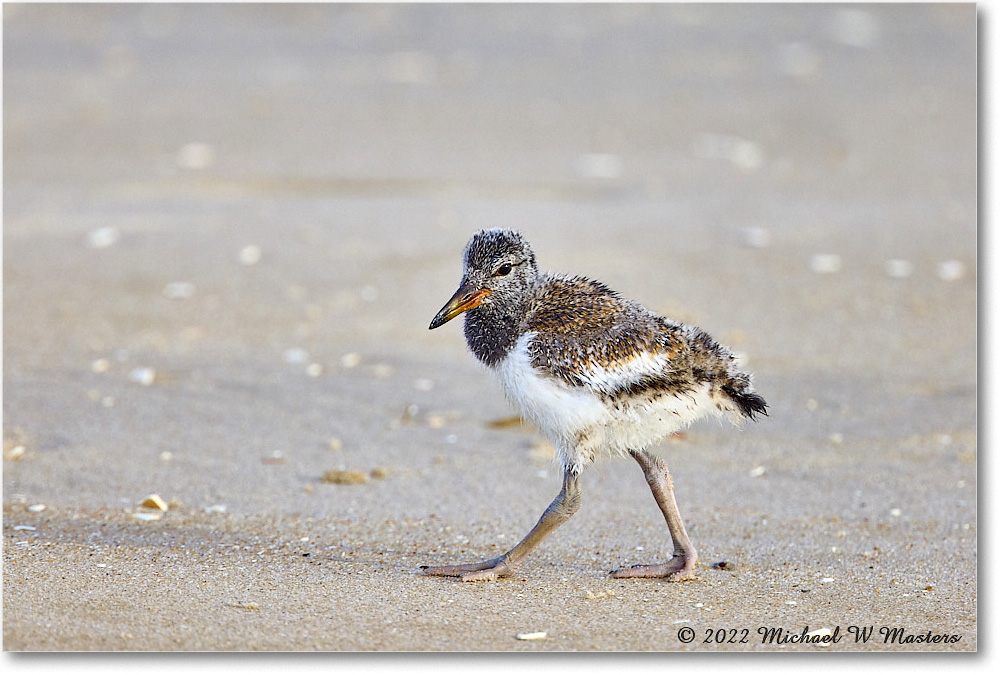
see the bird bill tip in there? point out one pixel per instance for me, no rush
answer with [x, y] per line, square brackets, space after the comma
[462, 301]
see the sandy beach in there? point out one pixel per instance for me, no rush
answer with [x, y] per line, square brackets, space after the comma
[227, 227]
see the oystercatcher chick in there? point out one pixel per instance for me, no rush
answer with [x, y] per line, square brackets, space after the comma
[597, 373]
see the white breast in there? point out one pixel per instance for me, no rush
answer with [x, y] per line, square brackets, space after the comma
[579, 423]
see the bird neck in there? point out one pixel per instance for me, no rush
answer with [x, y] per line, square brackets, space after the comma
[492, 330]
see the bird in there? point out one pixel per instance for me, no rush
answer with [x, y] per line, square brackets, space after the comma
[598, 374]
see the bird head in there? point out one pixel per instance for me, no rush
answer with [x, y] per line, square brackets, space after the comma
[498, 270]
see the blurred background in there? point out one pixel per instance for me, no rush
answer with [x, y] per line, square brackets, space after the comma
[227, 227]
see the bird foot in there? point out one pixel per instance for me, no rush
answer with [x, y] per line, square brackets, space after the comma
[488, 570]
[679, 568]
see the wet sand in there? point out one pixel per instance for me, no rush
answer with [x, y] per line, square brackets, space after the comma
[226, 229]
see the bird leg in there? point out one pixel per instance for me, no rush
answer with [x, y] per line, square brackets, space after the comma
[681, 566]
[559, 511]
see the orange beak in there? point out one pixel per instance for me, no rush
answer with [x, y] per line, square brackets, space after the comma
[464, 299]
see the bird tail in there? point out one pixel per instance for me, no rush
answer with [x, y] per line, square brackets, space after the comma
[740, 391]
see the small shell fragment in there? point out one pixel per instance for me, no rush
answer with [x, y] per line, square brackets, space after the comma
[342, 477]
[103, 237]
[147, 516]
[821, 633]
[36, 508]
[513, 422]
[178, 290]
[143, 376]
[154, 501]
[540, 635]
[826, 263]
[951, 270]
[295, 355]
[250, 254]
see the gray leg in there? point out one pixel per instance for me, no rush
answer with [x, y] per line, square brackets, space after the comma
[681, 566]
[562, 507]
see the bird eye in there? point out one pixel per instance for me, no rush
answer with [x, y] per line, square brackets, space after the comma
[503, 270]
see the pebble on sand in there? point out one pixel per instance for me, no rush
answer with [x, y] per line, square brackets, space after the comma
[539, 635]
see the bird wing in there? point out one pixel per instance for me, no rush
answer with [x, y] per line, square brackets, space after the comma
[585, 335]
